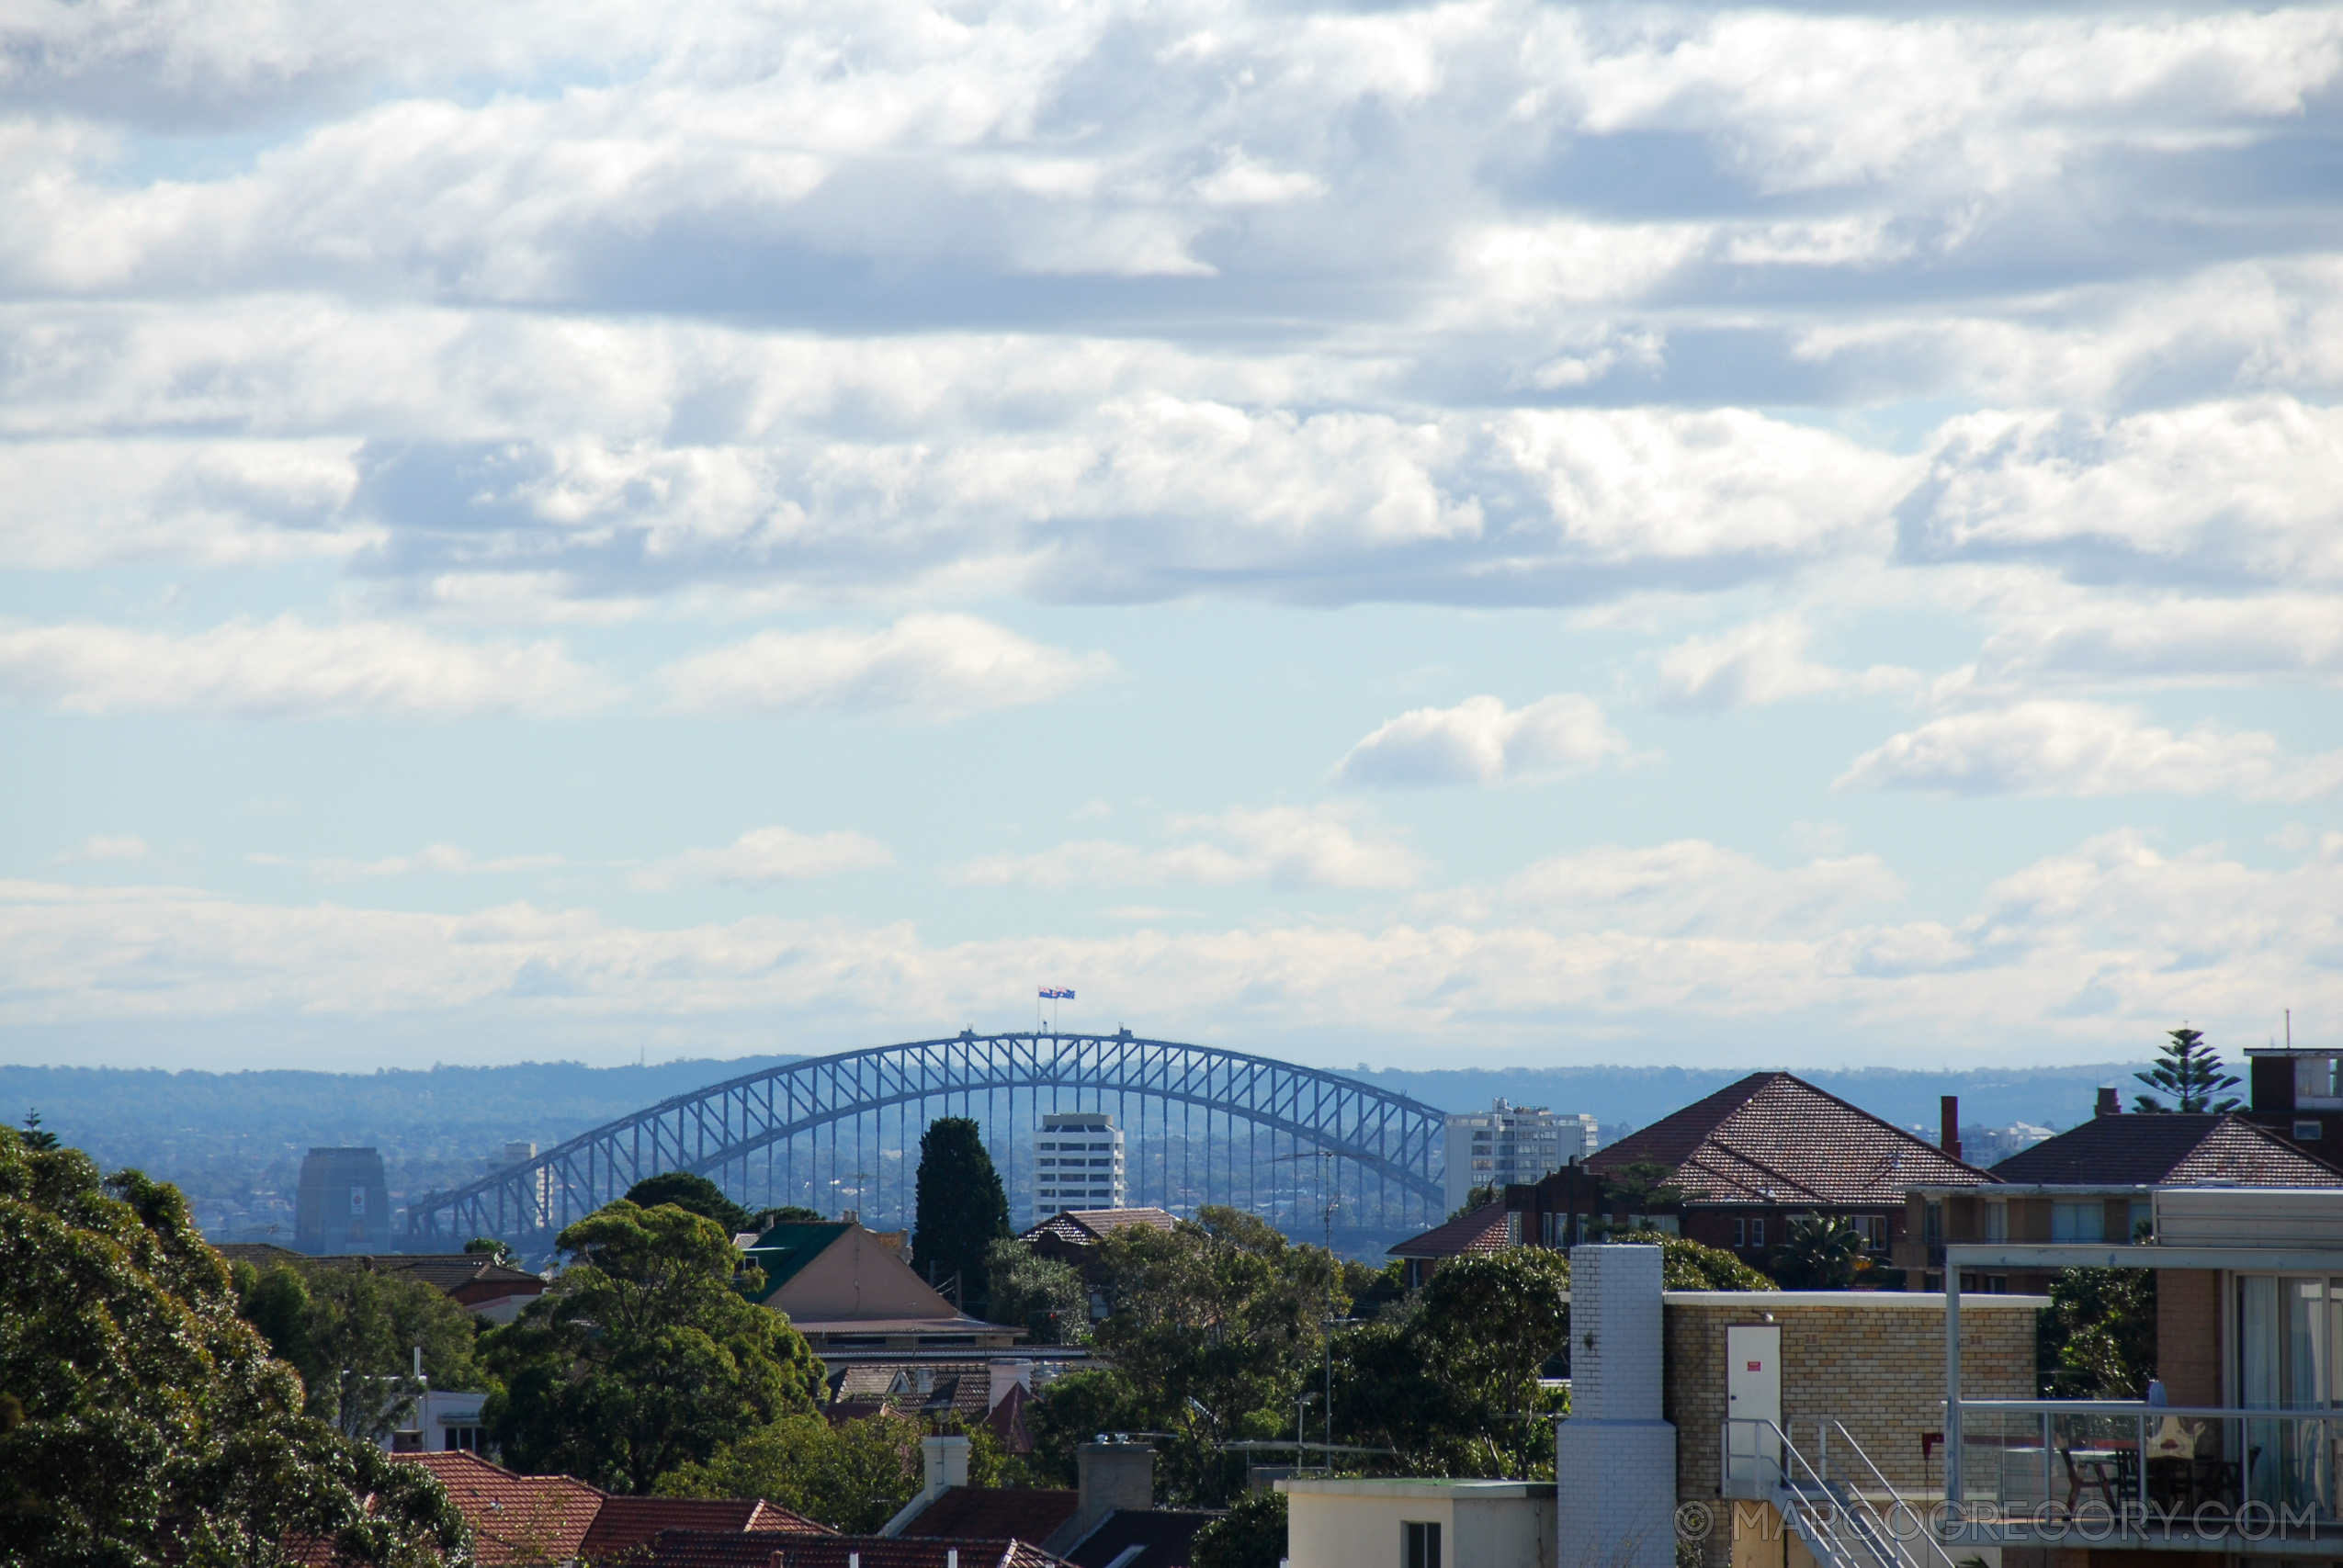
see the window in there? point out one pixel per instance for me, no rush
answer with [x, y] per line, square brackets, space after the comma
[1997, 1219]
[1874, 1230]
[2316, 1078]
[1423, 1537]
[467, 1438]
[1757, 1232]
[2078, 1222]
[2304, 1132]
[1741, 1233]
[2142, 1225]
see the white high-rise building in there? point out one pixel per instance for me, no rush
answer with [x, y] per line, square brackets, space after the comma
[1078, 1163]
[1511, 1143]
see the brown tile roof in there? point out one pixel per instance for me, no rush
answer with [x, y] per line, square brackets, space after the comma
[1775, 1138]
[2172, 1150]
[514, 1518]
[965, 1388]
[624, 1527]
[1486, 1229]
[1163, 1536]
[1028, 1513]
[1084, 1226]
[702, 1549]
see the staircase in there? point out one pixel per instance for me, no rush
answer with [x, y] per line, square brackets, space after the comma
[1843, 1522]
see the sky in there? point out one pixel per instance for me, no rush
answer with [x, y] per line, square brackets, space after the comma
[1432, 535]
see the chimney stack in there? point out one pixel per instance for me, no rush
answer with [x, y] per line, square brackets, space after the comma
[947, 1462]
[2111, 1103]
[1948, 1124]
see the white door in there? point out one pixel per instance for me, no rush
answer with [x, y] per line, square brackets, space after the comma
[1753, 1394]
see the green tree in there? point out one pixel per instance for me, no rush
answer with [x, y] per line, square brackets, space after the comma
[1251, 1534]
[2189, 1071]
[962, 1208]
[1478, 1198]
[1215, 1326]
[489, 1247]
[1821, 1253]
[2097, 1338]
[693, 1194]
[787, 1214]
[643, 1354]
[143, 1421]
[34, 1138]
[1045, 1294]
[352, 1334]
[854, 1476]
[1077, 1406]
[1688, 1265]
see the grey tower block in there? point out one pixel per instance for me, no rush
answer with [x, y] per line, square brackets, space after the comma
[344, 1204]
[1614, 1459]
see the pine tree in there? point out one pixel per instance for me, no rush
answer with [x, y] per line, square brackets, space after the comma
[962, 1209]
[2189, 1071]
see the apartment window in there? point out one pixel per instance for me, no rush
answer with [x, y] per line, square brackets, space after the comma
[2304, 1132]
[1873, 1229]
[1997, 1219]
[1741, 1233]
[2078, 1222]
[1422, 1541]
[1933, 1222]
[469, 1439]
[1757, 1232]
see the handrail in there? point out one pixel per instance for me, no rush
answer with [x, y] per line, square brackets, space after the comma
[1884, 1485]
[2140, 1407]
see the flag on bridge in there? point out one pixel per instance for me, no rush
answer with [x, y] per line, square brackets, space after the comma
[1056, 993]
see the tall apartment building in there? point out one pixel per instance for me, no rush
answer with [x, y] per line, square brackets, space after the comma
[1511, 1143]
[1078, 1164]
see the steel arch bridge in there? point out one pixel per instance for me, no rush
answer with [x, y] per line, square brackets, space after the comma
[1212, 1126]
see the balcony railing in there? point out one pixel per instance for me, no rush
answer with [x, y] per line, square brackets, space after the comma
[2101, 1471]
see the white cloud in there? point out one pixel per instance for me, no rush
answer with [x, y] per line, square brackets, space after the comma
[2053, 747]
[109, 847]
[1284, 846]
[1692, 886]
[2226, 492]
[1480, 740]
[935, 666]
[1758, 664]
[763, 856]
[286, 669]
[2097, 637]
[443, 860]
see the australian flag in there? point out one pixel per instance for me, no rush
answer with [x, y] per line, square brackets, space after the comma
[1056, 993]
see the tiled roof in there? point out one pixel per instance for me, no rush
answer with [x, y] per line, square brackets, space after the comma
[1028, 1513]
[2193, 1150]
[514, 1518]
[1774, 1138]
[1486, 1229]
[1084, 1226]
[624, 1527]
[1163, 1534]
[703, 1548]
[880, 1325]
[963, 1387]
[259, 1254]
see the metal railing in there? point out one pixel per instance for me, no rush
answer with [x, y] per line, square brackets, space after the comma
[1844, 1525]
[2148, 1462]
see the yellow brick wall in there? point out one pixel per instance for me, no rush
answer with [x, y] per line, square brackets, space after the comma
[1877, 1367]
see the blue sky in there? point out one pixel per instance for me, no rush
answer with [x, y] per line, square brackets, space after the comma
[1426, 535]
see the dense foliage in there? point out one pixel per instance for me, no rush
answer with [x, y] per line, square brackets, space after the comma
[962, 1208]
[352, 1334]
[853, 1476]
[1824, 1252]
[2097, 1338]
[1047, 1296]
[643, 1356]
[1251, 1534]
[2189, 1071]
[1215, 1326]
[693, 1194]
[1687, 1265]
[143, 1421]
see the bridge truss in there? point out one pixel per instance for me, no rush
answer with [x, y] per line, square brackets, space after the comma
[1203, 1125]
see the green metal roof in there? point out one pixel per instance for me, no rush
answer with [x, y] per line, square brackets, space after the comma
[784, 1250]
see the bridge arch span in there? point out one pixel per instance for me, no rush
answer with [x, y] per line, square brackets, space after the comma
[1211, 1125]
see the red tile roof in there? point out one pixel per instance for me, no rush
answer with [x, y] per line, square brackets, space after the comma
[1487, 1229]
[2172, 1150]
[964, 1388]
[702, 1549]
[1775, 1138]
[624, 1527]
[990, 1512]
[514, 1518]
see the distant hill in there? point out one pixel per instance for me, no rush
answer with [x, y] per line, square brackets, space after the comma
[1622, 1098]
[234, 1141]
